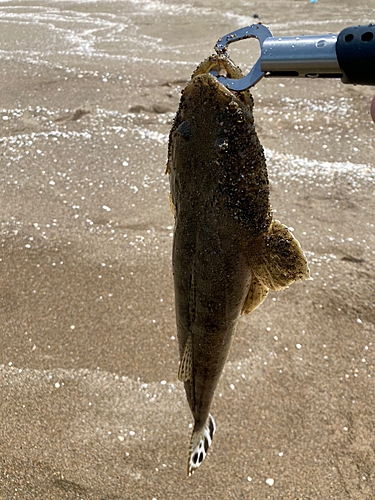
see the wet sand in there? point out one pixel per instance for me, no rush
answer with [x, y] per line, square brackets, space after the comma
[90, 403]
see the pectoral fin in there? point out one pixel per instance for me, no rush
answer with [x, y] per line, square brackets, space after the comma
[255, 296]
[185, 371]
[278, 259]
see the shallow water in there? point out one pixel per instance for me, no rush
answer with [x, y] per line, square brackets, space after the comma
[88, 351]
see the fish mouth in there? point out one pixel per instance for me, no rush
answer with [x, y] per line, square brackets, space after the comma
[219, 65]
[222, 66]
[217, 70]
[207, 74]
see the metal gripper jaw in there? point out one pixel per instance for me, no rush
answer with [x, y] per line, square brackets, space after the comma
[258, 31]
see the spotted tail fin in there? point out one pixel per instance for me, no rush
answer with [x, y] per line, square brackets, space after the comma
[200, 442]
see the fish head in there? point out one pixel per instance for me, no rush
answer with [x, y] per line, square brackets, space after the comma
[214, 153]
[221, 65]
[209, 112]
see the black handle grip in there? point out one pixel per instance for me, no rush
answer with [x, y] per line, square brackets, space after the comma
[355, 50]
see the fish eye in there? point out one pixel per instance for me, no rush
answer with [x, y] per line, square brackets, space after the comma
[221, 144]
[185, 131]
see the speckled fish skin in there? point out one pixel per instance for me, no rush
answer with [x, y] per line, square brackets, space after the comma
[220, 198]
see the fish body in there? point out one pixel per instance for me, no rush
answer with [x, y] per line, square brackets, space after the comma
[227, 250]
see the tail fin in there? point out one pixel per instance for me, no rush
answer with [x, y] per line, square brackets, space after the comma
[200, 442]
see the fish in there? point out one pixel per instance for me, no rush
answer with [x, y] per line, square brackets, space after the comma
[228, 251]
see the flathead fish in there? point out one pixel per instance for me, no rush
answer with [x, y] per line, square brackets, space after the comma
[228, 251]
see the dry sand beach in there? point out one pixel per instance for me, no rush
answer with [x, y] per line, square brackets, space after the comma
[90, 404]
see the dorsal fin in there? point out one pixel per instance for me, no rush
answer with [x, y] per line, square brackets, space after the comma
[185, 371]
[171, 205]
